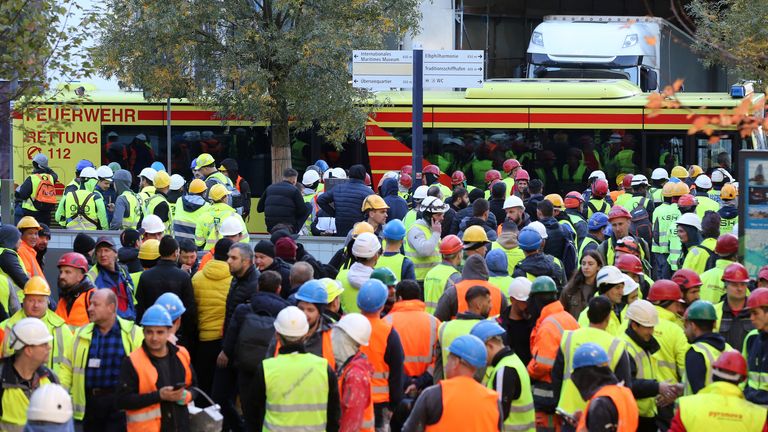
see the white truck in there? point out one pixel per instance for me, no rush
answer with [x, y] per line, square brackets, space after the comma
[650, 52]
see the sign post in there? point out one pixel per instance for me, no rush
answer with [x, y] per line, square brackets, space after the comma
[417, 134]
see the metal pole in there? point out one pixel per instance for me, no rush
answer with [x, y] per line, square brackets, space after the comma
[417, 96]
[168, 135]
[7, 89]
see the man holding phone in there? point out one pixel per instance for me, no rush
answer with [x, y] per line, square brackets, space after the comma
[422, 244]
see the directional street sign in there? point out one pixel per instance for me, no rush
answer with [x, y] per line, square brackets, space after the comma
[454, 68]
[385, 70]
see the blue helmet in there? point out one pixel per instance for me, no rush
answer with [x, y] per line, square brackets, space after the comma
[193, 165]
[157, 166]
[597, 221]
[497, 261]
[608, 230]
[529, 240]
[470, 349]
[172, 303]
[372, 296]
[312, 291]
[323, 165]
[394, 230]
[589, 354]
[156, 315]
[83, 163]
[487, 329]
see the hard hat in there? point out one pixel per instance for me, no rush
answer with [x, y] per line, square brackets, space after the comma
[728, 192]
[597, 174]
[316, 169]
[332, 287]
[152, 224]
[643, 313]
[629, 263]
[628, 245]
[385, 275]
[529, 240]
[668, 190]
[149, 249]
[474, 234]
[694, 170]
[626, 181]
[28, 222]
[680, 189]
[172, 303]
[74, 260]
[158, 166]
[310, 177]
[177, 182]
[367, 180]
[485, 330]
[432, 204]
[679, 172]
[470, 349]
[231, 226]
[41, 160]
[88, 173]
[450, 244]
[197, 186]
[29, 332]
[510, 164]
[686, 279]
[357, 327]
[361, 227]
[149, 173]
[323, 165]
[659, 174]
[431, 169]
[758, 298]
[492, 175]
[539, 228]
[156, 315]
[520, 288]
[630, 285]
[406, 169]
[496, 260]
[338, 172]
[687, 200]
[701, 310]
[104, 172]
[763, 272]
[609, 275]
[639, 180]
[372, 295]
[590, 355]
[573, 199]
[50, 403]
[37, 285]
[522, 174]
[82, 164]
[736, 273]
[204, 159]
[600, 188]
[291, 322]
[731, 366]
[597, 221]
[366, 245]
[703, 182]
[217, 192]
[406, 180]
[618, 212]
[312, 291]
[556, 200]
[458, 178]
[513, 201]
[421, 192]
[690, 219]
[393, 230]
[665, 290]
[543, 284]
[374, 202]
[162, 180]
[727, 244]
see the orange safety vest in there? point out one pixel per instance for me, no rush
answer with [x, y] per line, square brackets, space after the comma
[78, 315]
[148, 419]
[368, 414]
[625, 405]
[545, 340]
[464, 286]
[467, 406]
[418, 334]
[204, 260]
[375, 350]
[28, 256]
[327, 349]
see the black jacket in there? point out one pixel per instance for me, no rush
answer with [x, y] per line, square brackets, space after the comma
[560, 243]
[240, 291]
[129, 257]
[497, 208]
[530, 206]
[735, 328]
[284, 269]
[540, 264]
[695, 365]
[283, 203]
[263, 303]
[347, 199]
[467, 213]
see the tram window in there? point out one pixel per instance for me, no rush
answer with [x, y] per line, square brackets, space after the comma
[711, 156]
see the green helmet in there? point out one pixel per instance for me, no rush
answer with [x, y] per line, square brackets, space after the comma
[701, 310]
[385, 275]
[543, 284]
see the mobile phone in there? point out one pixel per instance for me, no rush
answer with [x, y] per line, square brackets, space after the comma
[179, 386]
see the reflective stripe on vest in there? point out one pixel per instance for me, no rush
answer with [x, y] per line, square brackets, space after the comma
[377, 346]
[422, 264]
[720, 407]
[135, 212]
[522, 415]
[434, 284]
[418, 335]
[710, 354]
[462, 395]
[646, 369]
[152, 203]
[80, 210]
[15, 402]
[461, 295]
[327, 348]
[289, 407]
[392, 262]
[349, 295]
[625, 407]
[451, 330]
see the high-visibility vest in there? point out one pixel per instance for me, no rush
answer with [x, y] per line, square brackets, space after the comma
[727, 224]
[646, 369]
[614, 327]
[705, 203]
[326, 346]
[757, 369]
[152, 203]
[673, 345]
[209, 225]
[149, 418]
[409, 219]
[479, 168]
[597, 205]
[675, 246]
[392, 262]
[37, 179]
[522, 415]
[369, 420]
[514, 255]
[377, 346]
[584, 243]
[15, 400]
[710, 354]
[720, 406]
[578, 175]
[449, 331]
[699, 256]
[434, 284]
[422, 264]
[10, 293]
[80, 210]
[131, 335]
[59, 355]
[656, 196]
[185, 223]
[28, 256]
[664, 216]
[78, 315]
[509, 181]
[625, 200]
[502, 283]
[135, 210]
[290, 404]
[712, 285]
[464, 286]
[349, 295]
[623, 160]
[467, 406]
[625, 407]
[418, 334]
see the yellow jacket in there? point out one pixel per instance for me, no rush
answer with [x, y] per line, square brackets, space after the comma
[211, 286]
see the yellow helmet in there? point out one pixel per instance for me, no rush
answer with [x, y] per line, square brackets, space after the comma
[679, 172]
[680, 189]
[620, 179]
[668, 190]
[27, 222]
[728, 192]
[474, 234]
[360, 228]
[374, 202]
[37, 285]
[162, 180]
[217, 192]
[197, 186]
[150, 249]
[204, 159]
[695, 170]
[556, 200]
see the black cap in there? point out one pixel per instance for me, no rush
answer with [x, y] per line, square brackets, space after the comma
[104, 240]
[277, 235]
[45, 231]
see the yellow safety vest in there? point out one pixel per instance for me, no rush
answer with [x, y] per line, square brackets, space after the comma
[710, 354]
[670, 358]
[434, 284]
[392, 262]
[349, 295]
[712, 285]
[422, 264]
[646, 369]
[289, 407]
[135, 210]
[502, 283]
[514, 256]
[720, 406]
[152, 203]
[80, 210]
[10, 293]
[449, 331]
[522, 415]
[185, 223]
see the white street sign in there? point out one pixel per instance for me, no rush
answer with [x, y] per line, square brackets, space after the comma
[385, 70]
[454, 68]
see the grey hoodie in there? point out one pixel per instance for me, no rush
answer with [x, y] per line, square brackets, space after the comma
[474, 269]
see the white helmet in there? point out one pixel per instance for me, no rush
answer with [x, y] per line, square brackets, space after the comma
[639, 180]
[104, 172]
[433, 205]
[89, 173]
[597, 174]
[29, 331]
[643, 313]
[152, 224]
[512, 202]
[50, 403]
[391, 174]
[630, 285]
[366, 245]
[720, 175]
[520, 288]
[357, 327]
[421, 192]
[609, 275]
[310, 177]
[291, 322]
[148, 173]
[339, 173]
[659, 174]
[703, 182]
[231, 226]
[690, 219]
[539, 228]
[177, 182]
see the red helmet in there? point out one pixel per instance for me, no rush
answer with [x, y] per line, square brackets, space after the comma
[618, 212]
[735, 273]
[727, 244]
[406, 180]
[665, 289]
[687, 200]
[450, 245]
[732, 362]
[763, 273]
[431, 169]
[458, 178]
[630, 263]
[522, 174]
[492, 175]
[573, 199]
[367, 180]
[74, 259]
[758, 298]
[510, 164]
[628, 245]
[406, 169]
[686, 279]
[600, 188]
[626, 182]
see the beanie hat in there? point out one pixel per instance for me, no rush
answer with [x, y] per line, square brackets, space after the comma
[265, 247]
[83, 244]
[221, 249]
[357, 172]
[710, 225]
[129, 237]
[285, 248]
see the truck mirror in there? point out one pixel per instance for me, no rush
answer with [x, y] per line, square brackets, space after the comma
[649, 80]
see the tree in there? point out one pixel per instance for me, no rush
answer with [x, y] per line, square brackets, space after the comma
[286, 61]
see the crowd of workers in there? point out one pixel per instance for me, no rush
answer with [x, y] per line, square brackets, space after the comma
[447, 308]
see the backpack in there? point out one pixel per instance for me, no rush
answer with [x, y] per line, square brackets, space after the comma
[254, 338]
[712, 260]
[640, 225]
[46, 192]
[236, 200]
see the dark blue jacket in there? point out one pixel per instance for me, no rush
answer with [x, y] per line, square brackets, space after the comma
[283, 203]
[347, 199]
[397, 205]
[695, 365]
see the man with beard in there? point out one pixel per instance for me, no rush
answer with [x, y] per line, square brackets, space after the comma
[74, 289]
[515, 211]
[43, 237]
[515, 319]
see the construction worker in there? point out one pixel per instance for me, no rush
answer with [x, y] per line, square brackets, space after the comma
[631, 266]
[687, 206]
[690, 285]
[50, 409]
[104, 189]
[458, 178]
[153, 228]
[560, 238]
[389, 279]
[393, 234]
[703, 186]
[413, 214]
[536, 263]
[352, 332]
[713, 287]
[595, 234]
[474, 273]
[175, 307]
[189, 212]
[574, 211]
[623, 196]
[432, 178]
[375, 212]
[83, 209]
[365, 252]
[444, 405]
[510, 167]
[96, 372]
[208, 228]
[729, 213]
[680, 173]
[444, 274]
[558, 213]
[29, 229]
[659, 177]
[38, 192]
[207, 167]
[492, 177]
[756, 390]
[146, 183]
[475, 241]
[384, 351]
[108, 273]
[610, 285]
[24, 371]
[312, 298]
[706, 346]
[551, 322]
[733, 312]
[498, 270]
[702, 256]
[129, 207]
[41, 248]
[664, 215]
[721, 405]
[593, 177]
[620, 220]
[478, 299]
[423, 239]
[597, 201]
[75, 288]
[521, 184]
[515, 210]
[666, 297]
